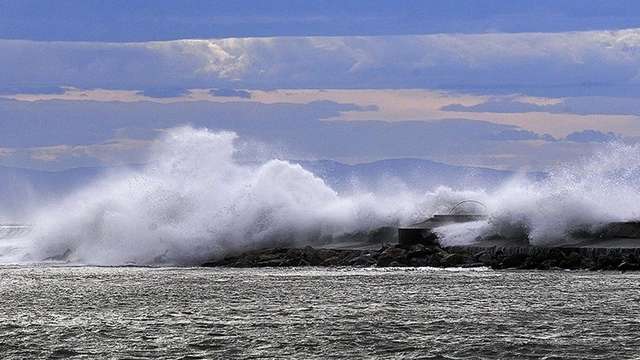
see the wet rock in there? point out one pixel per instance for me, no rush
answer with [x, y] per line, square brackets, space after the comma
[347, 255]
[532, 261]
[548, 265]
[606, 262]
[390, 255]
[243, 260]
[420, 255]
[588, 263]
[416, 251]
[484, 257]
[628, 266]
[513, 261]
[574, 260]
[435, 260]
[364, 260]
[332, 261]
[472, 265]
[319, 256]
[397, 264]
[271, 257]
[556, 254]
[454, 259]
[419, 261]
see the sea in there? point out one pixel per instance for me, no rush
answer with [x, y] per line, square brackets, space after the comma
[111, 269]
[60, 312]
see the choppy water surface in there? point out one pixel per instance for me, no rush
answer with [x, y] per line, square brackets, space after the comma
[115, 312]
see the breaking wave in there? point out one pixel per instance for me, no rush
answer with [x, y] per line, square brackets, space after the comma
[194, 201]
[575, 198]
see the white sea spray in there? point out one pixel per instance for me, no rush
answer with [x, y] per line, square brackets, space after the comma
[193, 201]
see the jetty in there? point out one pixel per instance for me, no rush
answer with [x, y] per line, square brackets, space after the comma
[609, 246]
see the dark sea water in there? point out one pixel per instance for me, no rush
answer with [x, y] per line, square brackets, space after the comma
[303, 313]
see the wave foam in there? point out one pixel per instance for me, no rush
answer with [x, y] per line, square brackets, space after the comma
[194, 202]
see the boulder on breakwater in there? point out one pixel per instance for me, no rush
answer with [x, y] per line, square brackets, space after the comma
[417, 255]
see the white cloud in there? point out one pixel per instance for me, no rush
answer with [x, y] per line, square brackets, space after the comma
[5, 152]
[388, 78]
[530, 62]
[115, 152]
[52, 153]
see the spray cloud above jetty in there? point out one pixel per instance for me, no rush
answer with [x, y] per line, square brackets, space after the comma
[267, 94]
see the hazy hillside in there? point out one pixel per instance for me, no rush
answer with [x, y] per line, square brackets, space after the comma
[21, 189]
[413, 173]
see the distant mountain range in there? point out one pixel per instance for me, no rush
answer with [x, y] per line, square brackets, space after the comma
[20, 189]
[412, 173]
[18, 185]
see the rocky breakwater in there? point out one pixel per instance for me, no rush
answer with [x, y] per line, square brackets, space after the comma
[418, 255]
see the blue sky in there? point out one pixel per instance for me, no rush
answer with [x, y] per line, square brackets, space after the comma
[501, 84]
[143, 20]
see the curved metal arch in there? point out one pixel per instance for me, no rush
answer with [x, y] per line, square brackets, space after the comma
[468, 201]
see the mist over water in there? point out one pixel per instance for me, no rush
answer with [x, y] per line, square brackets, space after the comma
[576, 197]
[194, 201]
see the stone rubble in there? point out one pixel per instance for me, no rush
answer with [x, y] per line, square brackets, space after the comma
[418, 255]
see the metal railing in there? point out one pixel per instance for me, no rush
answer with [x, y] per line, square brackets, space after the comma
[14, 231]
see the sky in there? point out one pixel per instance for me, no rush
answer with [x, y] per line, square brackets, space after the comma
[498, 84]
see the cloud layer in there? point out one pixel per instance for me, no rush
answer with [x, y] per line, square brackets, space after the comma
[58, 134]
[544, 64]
[471, 99]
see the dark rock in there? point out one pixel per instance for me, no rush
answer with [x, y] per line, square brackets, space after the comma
[317, 257]
[364, 260]
[484, 257]
[548, 264]
[394, 252]
[384, 261]
[294, 255]
[574, 260]
[270, 257]
[556, 254]
[472, 265]
[513, 261]
[454, 259]
[605, 262]
[397, 264]
[628, 266]
[332, 261]
[435, 260]
[588, 263]
[420, 255]
[416, 251]
[435, 250]
[419, 261]
[273, 251]
[532, 261]
[270, 263]
[347, 255]
[390, 255]
[245, 260]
